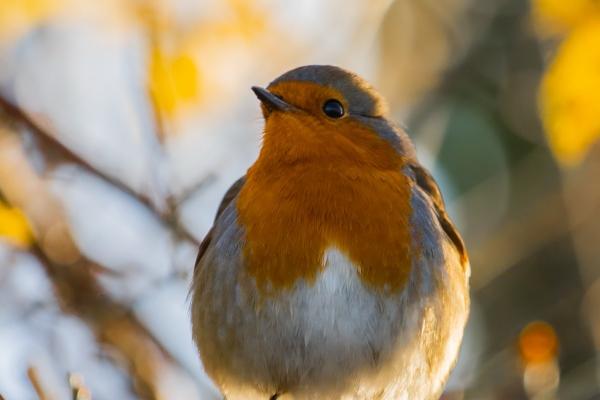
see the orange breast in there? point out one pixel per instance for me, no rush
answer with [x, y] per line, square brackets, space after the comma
[300, 199]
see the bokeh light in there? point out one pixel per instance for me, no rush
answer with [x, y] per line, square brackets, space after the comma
[538, 343]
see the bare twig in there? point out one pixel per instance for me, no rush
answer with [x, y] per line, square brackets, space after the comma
[79, 390]
[193, 189]
[18, 116]
[34, 378]
[74, 282]
[160, 122]
[114, 325]
[168, 217]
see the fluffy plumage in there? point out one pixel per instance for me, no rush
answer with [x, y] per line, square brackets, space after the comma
[332, 270]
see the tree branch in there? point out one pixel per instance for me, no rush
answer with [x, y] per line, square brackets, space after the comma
[73, 278]
[168, 217]
[34, 378]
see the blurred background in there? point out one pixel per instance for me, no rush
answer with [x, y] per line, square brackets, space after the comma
[122, 123]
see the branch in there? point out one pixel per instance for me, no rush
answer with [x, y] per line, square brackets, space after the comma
[74, 281]
[78, 389]
[19, 117]
[168, 217]
[114, 325]
[34, 378]
[189, 192]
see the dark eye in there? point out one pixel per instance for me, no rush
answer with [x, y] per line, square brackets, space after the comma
[333, 109]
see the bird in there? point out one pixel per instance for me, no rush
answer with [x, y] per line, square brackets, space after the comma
[332, 269]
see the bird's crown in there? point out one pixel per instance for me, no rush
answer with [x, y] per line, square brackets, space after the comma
[356, 94]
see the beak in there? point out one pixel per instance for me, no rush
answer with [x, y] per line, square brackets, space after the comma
[269, 100]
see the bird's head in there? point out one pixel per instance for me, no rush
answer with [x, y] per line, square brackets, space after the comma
[319, 112]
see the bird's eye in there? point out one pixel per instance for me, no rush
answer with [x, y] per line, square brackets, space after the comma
[333, 109]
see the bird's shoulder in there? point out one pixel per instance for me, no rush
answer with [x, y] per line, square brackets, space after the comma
[427, 184]
[229, 196]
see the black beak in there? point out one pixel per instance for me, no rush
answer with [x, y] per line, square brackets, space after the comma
[269, 100]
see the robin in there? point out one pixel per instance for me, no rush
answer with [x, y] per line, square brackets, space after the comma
[332, 270]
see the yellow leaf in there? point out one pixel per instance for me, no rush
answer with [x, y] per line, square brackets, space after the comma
[559, 16]
[570, 94]
[173, 80]
[14, 227]
[185, 77]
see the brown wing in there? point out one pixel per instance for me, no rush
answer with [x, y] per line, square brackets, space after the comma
[229, 196]
[426, 182]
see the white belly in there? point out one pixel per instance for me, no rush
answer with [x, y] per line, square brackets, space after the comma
[338, 339]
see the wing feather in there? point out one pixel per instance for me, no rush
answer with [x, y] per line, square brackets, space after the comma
[426, 182]
[229, 196]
